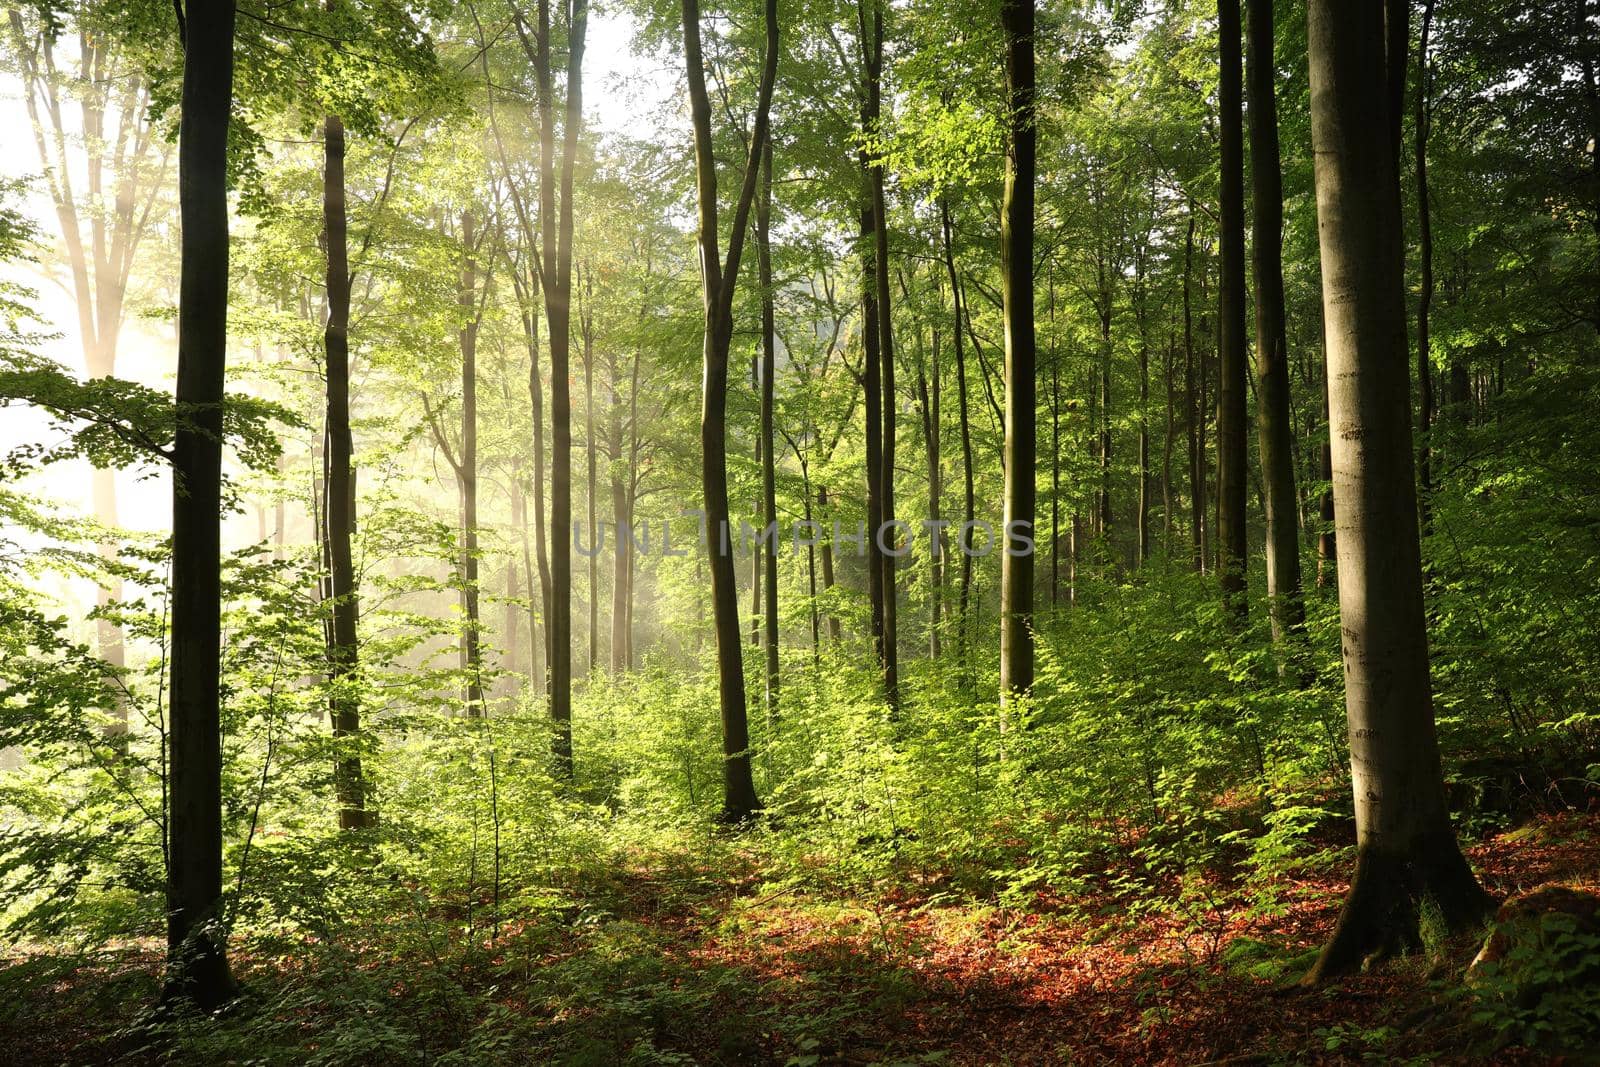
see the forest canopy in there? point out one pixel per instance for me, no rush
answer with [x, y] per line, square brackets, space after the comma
[971, 531]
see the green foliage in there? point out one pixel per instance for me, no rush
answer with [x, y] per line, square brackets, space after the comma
[1544, 992]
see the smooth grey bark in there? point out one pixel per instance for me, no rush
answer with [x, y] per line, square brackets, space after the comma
[1406, 848]
[1286, 606]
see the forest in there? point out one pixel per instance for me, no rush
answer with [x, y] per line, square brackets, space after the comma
[799, 532]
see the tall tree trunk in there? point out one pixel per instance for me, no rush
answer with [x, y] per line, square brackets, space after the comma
[886, 557]
[1143, 550]
[622, 521]
[1167, 441]
[1016, 287]
[471, 635]
[755, 509]
[1423, 126]
[1285, 604]
[928, 393]
[871, 382]
[556, 253]
[1102, 514]
[541, 659]
[632, 499]
[339, 483]
[969, 496]
[1407, 852]
[1194, 407]
[1055, 453]
[769, 476]
[718, 281]
[1231, 436]
[197, 963]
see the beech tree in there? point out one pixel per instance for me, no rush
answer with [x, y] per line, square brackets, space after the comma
[1232, 541]
[1406, 849]
[197, 960]
[1016, 271]
[1272, 346]
[719, 279]
[555, 276]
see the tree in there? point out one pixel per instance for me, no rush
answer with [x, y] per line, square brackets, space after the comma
[719, 280]
[123, 156]
[1406, 850]
[555, 274]
[1231, 453]
[339, 482]
[1422, 119]
[881, 320]
[197, 962]
[1286, 608]
[769, 462]
[1016, 272]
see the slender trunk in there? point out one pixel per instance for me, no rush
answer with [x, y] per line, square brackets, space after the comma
[471, 635]
[1016, 281]
[811, 564]
[555, 233]
[596, 538]
[928, 393]
[541, 658]
[1102, 517]
[755, 509]
[1167, 523]
[1231, 436]
[197, 963]
[1406, 852]
[871, 382]
[1423, 126]
[1055, 454]
[718, 281]
[969, 503]
[339, 483]
[1143, 552]
[1285, 604]
[886, 557]
[622, 522]
[1194, 408]
[1327, 546]
[769, 484]
[632, 499]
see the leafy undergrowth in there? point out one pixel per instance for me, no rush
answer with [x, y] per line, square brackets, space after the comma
[695, 956]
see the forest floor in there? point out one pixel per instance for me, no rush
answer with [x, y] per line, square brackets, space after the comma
[679, 960]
